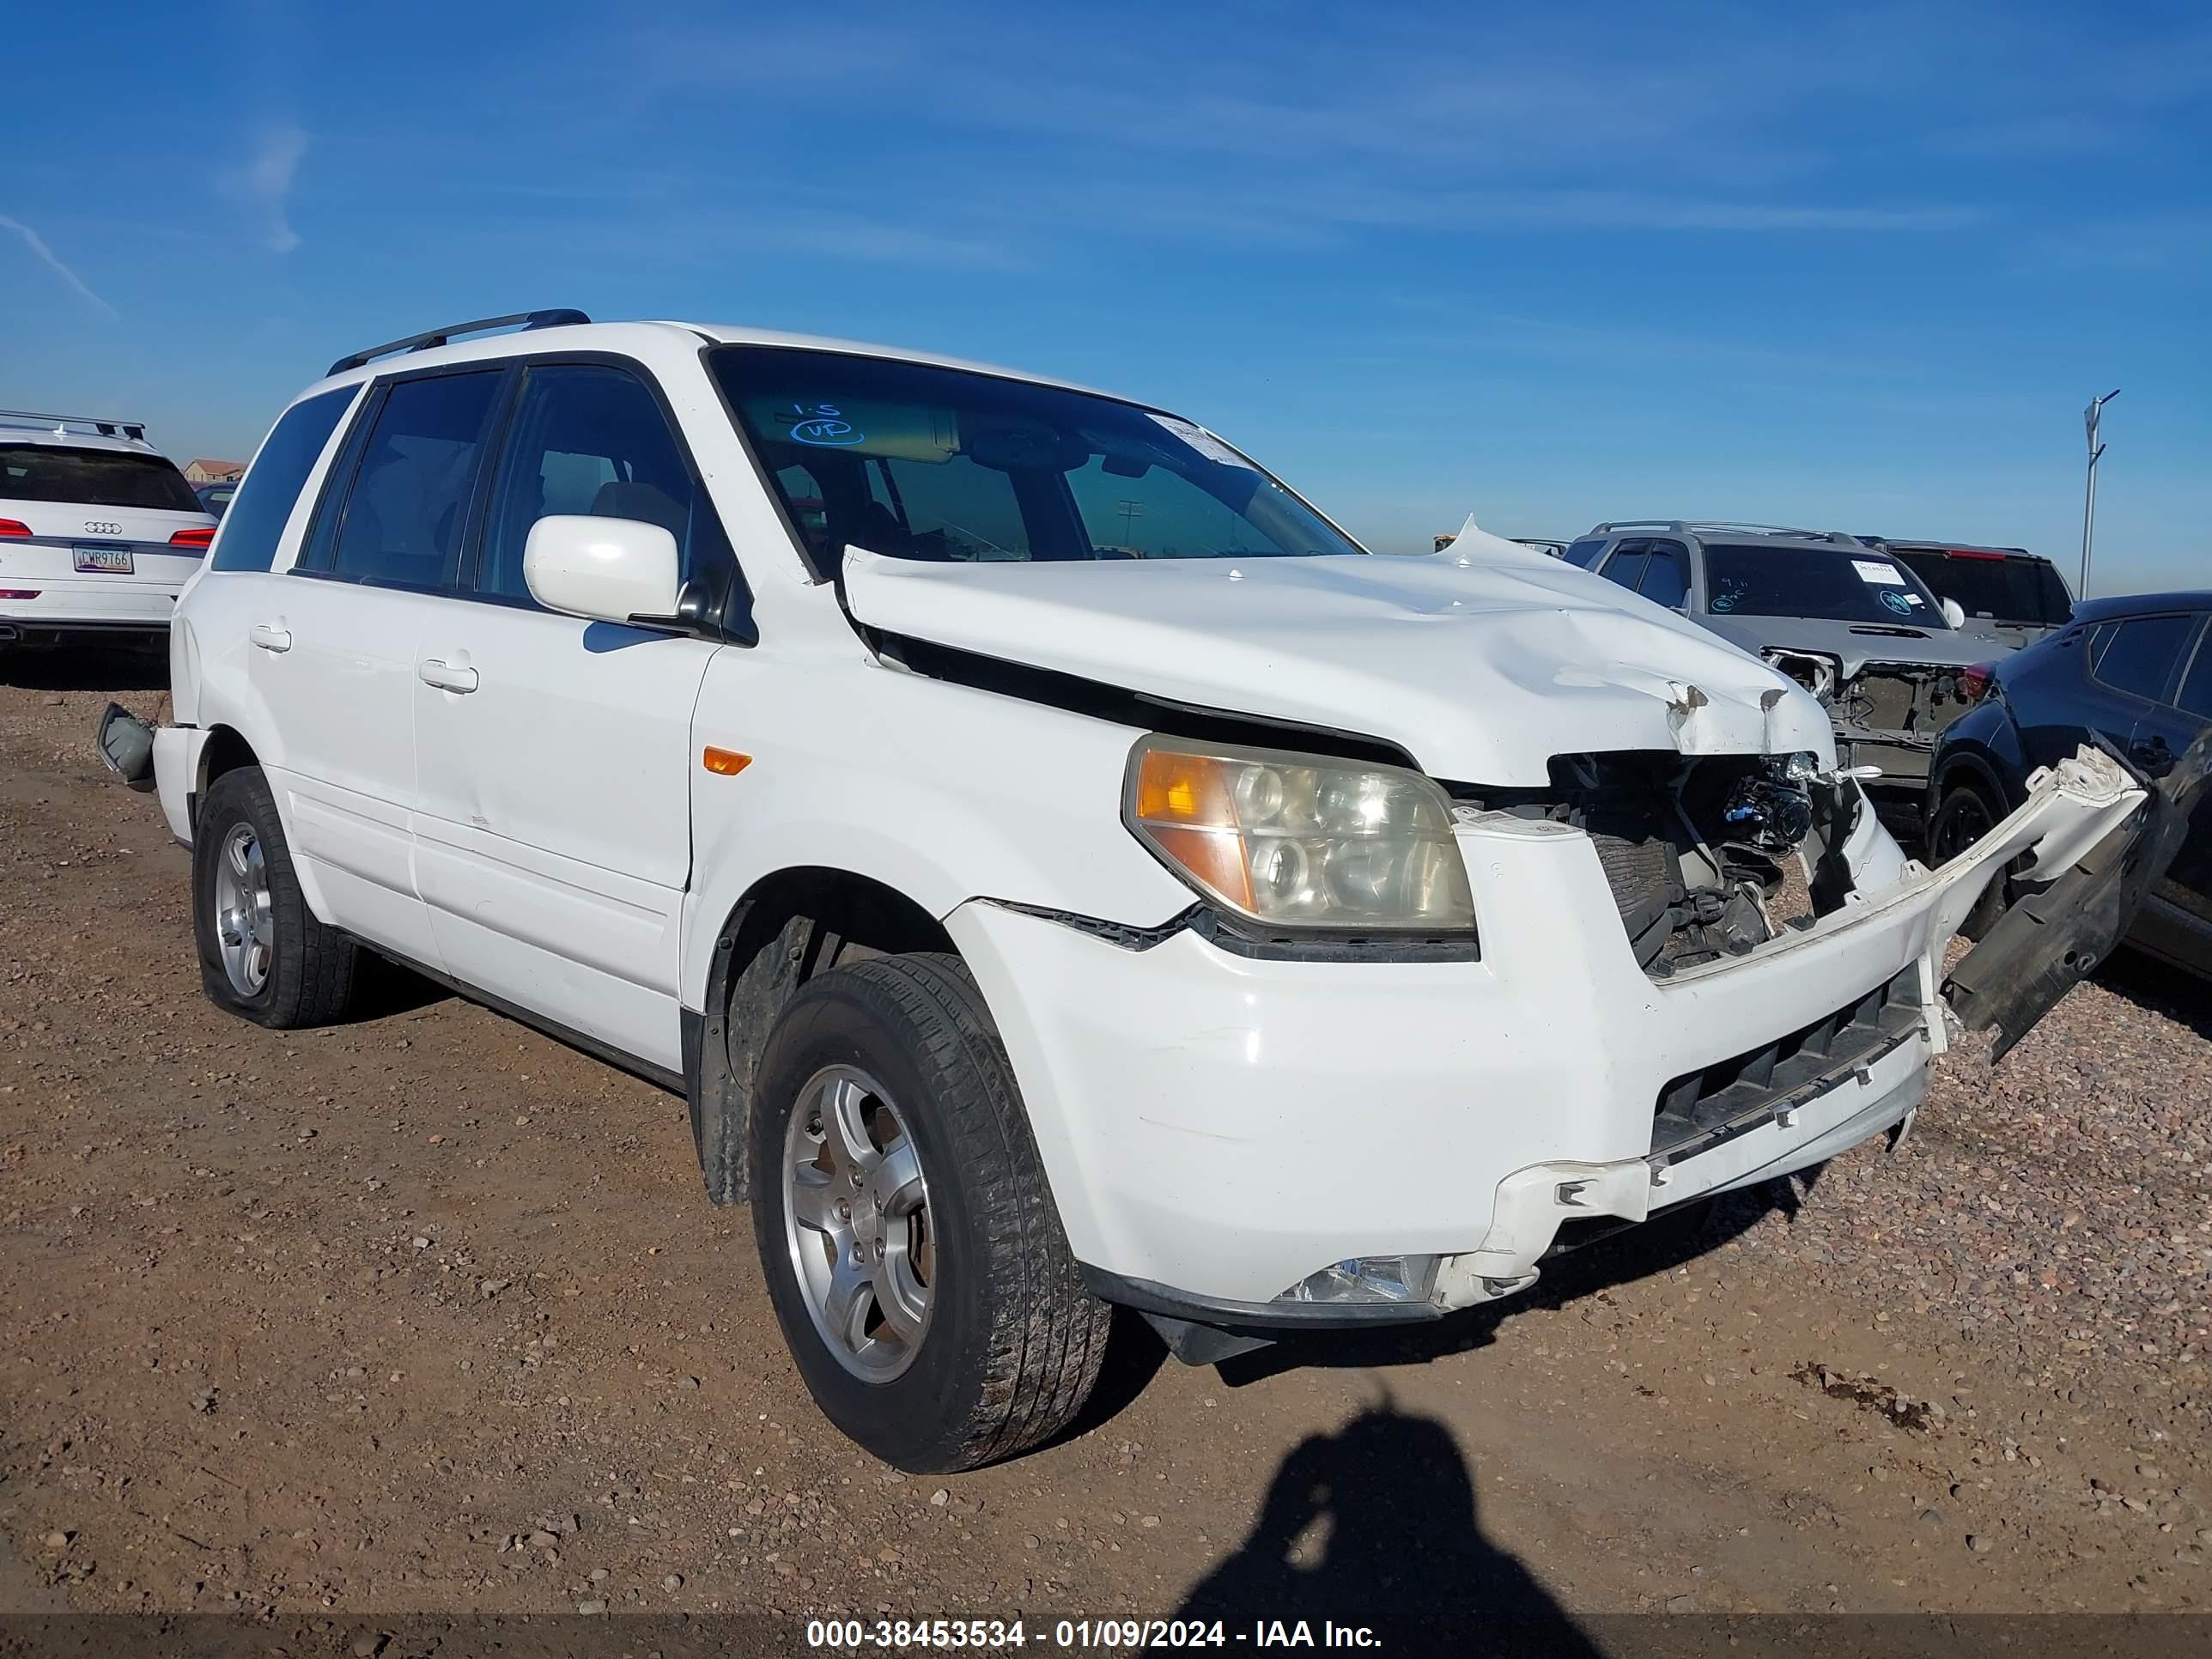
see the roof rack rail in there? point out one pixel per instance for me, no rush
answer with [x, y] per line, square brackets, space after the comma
[1834, 538]
[1700, 526]
[134, 430]
[558, 317]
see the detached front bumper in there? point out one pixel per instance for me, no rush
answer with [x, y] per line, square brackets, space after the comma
[1218, 1128]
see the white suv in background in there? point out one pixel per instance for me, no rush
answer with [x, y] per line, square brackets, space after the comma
[98, 530]
[1059, 867]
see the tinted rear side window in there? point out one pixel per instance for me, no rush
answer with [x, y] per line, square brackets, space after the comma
[409, 506]
[2138, 656]
[254, 522]
[95, 478]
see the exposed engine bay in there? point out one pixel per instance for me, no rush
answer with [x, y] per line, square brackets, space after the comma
[1703, 855]
[1895, 710]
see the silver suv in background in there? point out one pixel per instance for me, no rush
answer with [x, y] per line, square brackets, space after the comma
[1850, 622]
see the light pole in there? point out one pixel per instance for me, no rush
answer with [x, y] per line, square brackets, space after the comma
[2089, 417]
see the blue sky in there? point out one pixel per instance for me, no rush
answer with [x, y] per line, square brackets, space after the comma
[1859, 268]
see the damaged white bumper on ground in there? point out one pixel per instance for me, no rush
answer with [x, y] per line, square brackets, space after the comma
[1252, 1145]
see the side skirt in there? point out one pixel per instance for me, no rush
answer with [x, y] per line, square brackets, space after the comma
[659, 1076]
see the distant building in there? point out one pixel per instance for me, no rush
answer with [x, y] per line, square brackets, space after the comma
[208, 473]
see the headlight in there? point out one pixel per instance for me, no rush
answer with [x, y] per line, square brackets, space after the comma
[1298, 840]
[1800, 768]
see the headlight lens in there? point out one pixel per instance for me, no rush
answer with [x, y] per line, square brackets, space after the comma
[1300, 840]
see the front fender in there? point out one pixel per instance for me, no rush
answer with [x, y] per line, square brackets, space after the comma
[862, 774]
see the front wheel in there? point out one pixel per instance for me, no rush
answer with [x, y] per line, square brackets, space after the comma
[1961, 818]
[911, 1246]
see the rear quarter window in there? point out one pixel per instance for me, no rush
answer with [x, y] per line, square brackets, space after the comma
[257, 514]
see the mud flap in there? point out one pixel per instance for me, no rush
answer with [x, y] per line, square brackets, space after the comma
[2045, 944]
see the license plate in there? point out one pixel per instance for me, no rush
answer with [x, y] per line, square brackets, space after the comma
[110, 561]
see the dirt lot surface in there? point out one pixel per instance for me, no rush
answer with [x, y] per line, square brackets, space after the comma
[429, 1313]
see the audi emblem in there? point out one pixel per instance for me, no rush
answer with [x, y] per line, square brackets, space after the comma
[101, 528]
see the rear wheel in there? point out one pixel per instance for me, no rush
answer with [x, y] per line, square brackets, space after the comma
[912, 1249]
[1962, 817]
[262, 954]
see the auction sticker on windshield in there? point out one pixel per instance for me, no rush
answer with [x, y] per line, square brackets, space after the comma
[1878, 574]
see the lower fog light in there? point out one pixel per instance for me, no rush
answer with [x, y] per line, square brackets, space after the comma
[1367, 1278]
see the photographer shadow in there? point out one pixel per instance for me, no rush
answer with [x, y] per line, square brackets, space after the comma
[1375, 1528]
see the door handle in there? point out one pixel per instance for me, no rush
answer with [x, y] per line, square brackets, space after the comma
[445, 675]
[270, 637]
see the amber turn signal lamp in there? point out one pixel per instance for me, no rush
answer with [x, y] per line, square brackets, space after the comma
[724, 763]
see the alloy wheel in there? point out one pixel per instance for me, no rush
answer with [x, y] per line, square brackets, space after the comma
[243, 926]
[856, 1222]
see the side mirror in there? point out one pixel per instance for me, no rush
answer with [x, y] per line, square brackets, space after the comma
[1954, 613]
[606, 569]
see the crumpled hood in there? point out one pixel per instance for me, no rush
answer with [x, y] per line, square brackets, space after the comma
[1482, 666]
[1857, 644]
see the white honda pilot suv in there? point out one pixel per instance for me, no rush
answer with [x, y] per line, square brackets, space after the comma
[1058, 864]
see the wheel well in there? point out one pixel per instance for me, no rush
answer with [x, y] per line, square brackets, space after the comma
[225, 750]
[788, 928]
[1967, 770]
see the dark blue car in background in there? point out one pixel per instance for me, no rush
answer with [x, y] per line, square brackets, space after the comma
[2132, 674]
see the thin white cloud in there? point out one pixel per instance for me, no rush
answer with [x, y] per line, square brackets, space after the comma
[37, 244]
[267, 180]
[1305, 139]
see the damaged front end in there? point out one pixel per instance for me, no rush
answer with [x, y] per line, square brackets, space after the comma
[1722, 858]
[1810, 1093]
[1713, 857]
[1886, 714]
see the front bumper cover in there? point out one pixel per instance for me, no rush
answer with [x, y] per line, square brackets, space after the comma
[1216, 1128]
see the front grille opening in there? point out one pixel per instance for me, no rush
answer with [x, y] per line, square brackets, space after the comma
[1700, 857]
[1906, 699]
[1701, 1109]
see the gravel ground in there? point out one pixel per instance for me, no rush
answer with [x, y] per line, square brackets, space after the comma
[2057, 1203]
[427, 1313]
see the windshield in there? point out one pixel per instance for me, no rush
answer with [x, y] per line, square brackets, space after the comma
[1842, 584]
[93, 478]
[2025, 592]
[919, 462]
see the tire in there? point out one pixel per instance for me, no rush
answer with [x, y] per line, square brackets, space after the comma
[1961, 818]
[305, 968]
[1008, 1343]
